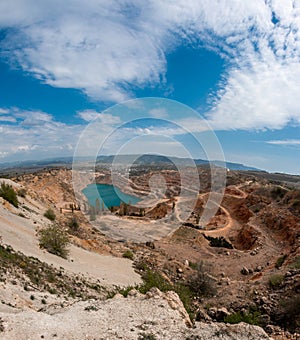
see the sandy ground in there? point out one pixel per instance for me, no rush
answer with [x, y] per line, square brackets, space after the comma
[20, 233]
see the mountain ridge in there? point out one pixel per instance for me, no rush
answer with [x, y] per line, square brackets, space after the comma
[144, 159]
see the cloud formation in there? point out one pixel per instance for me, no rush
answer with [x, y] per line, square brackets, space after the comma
[107, 48]
[33, 134]
[288, 142]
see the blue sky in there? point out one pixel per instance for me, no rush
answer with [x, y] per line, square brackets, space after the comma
[236, 63]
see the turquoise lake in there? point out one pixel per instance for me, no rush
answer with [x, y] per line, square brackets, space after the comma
[108, 194]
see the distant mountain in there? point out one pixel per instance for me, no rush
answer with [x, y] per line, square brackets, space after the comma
[138, 160]
[161, 160]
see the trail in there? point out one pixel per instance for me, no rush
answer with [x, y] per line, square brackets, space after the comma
[224, 230]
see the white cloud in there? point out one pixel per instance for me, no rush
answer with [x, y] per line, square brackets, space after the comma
[289, 142]
[6, 118]
[262, 87]
[103, 118]
[35, 134]
[107, 47]
[265, 96]
[159, 113]
[88, 115]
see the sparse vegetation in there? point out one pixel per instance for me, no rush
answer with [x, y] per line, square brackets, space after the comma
[9, 194]
[45, 277]
[1, 325]
[280, 261]
[296, 263]
[278, 192]
[92, 213]
[50, 214]
[275, 280]
[128, 254]
[22, 192]
[193, 265]
[201, 283]
[251, 317]
[154, 279]
[147, 336]
[73, 224]
[54, 240]
[289, 313]
[218, 242]
[141, 265]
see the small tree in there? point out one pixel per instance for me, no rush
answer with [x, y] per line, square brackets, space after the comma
[55, 240]
[97, 206]
[9, 194]
[92, 213]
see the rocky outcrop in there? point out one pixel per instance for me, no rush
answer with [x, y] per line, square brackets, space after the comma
[155, 314]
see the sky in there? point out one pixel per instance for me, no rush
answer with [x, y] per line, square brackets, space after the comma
[235, 63]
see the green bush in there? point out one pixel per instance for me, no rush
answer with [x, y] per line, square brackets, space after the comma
[54, 240]
[296, 263]
[218, 242]
[50, 215]
[275, 280]
[251, 317]
[154, 279]
[193, 265]
[9, 194]
[128, 255]
[280, 261]
[73, 223]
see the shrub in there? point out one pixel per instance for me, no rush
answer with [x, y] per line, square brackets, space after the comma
[278, 192]
[193, 265]
[275, 280]
[54, 240]
[141, 265]
[154, 279]
[73, 224]
[296, 263]
[22, 192]
[250, 317]
[128, 255]
[9, 194]
[289, 314]
[50, 215]
[201, 283]
[218, 242]
[280, 261]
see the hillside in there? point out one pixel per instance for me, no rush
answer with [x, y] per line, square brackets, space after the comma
[247, 257]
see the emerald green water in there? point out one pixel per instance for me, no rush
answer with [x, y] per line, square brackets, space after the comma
[108, 194]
